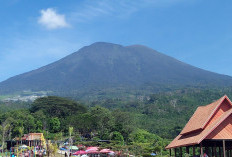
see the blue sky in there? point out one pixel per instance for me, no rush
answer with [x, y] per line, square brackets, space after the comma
[36, 33]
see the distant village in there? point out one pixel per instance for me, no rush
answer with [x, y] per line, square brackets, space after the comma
[23, 98]
[26, 96]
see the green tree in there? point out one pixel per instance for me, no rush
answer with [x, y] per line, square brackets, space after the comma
[117, 136]
[70, 130]
[54, 125]
[102, 121]
[21, 131]
[29, 123]
[124, 122]
[58, 136]
[40, 116]
[39, 126]
[54, 106]
[82, 122]
[5, 128]
[143, 136]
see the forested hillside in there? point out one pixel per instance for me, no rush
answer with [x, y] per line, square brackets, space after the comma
[146, 123]
[166, 113]
[159, 113]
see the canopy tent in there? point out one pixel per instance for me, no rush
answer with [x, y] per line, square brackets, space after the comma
[106, 151]
[92, 151]
[73, 147]
[23, 146]
[63, 149]
[79, 152]
[92, 148]
[111, 153]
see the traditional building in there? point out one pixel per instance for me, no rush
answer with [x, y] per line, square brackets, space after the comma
[208, 131]
[31, 139]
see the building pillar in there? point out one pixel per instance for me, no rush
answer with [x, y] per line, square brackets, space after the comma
[187, 150]
[180, 151]
[201, 149]
[224, 148]
[175, 151]
[212, 150]
[207, 150]
[220, 152]
[194, 151]
[215, 149]
[170, 151]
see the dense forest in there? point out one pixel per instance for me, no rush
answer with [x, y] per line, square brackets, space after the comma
[53, 116]
[165, 113]
[142, 125]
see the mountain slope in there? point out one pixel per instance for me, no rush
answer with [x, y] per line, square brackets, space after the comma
[106, 65]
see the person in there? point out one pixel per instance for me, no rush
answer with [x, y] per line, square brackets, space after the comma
[66, 155]
[26, 154]
[205, 155]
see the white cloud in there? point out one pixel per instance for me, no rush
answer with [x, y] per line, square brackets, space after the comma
[52, 20]
[116, 8]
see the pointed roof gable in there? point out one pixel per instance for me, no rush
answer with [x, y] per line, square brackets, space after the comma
[31, 136]
[203, 122]
[202, 116]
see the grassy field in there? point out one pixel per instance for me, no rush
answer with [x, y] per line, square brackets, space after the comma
[2, 97]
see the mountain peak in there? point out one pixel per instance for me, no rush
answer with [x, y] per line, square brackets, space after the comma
[104, 44]
[138, 46]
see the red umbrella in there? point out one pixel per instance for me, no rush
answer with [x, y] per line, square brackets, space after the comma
[80, 152]
[92, 148]
[91, 151]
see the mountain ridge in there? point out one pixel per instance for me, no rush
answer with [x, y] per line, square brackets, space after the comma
[107, 65]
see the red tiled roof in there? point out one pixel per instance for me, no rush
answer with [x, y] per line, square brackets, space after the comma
[34, 136]
[223, 131]
[201, 117]
[214, 116]
[31, 136]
